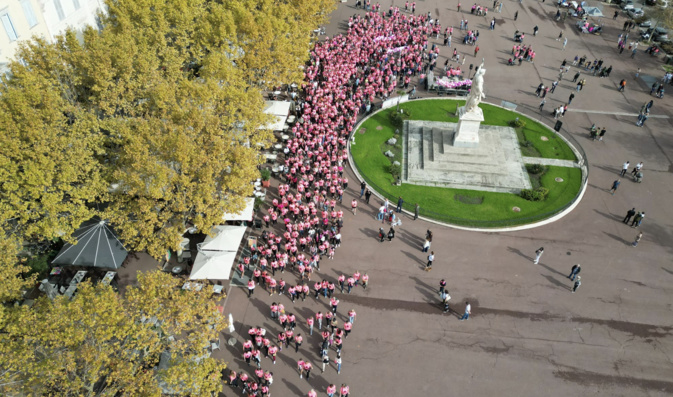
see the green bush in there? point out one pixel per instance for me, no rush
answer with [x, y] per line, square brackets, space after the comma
[39, 264]
[538, 194]
[395, 171]
[265, 173]
[397, 118]
[517, 123]
[535, 168]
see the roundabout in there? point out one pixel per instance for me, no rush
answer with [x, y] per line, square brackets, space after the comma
[521, 174]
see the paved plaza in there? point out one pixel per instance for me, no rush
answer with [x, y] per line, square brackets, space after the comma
[528, 335]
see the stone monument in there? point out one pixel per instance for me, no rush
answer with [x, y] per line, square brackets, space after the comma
[470, 116]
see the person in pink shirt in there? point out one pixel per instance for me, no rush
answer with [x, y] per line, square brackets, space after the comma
[312, 393]
[331, 389]
[347, 328]
[310, 322]
[318, 317]
[351, 316]
[354, 206]
[344, 390]
[273, 350]
[307, 368]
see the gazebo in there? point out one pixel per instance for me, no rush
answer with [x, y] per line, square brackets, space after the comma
[97, 246]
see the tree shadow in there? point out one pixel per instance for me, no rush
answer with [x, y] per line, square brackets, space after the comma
[518, 252]
[621, 240]
[556, 282]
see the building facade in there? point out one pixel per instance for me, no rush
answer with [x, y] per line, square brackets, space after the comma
[24, 19]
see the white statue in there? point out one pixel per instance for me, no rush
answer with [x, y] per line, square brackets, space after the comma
[477, 91]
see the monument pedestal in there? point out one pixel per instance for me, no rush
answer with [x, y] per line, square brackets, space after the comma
[467, 131]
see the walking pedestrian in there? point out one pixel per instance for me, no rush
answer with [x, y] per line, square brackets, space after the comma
[577, 284]
[337, 361]
[399, 204]
[325, 361]
[445, 301]
[468, 311]
[601, 134]
[417, 208]
[574, 271]
[368, 194]
[382, 234]
[615, 185]
[442, 286]
[570, 98]
[577, 75]
[431, 258]
[426, 246]
[363, 186]
[297, 341]
[629, 214]
[391, 234]
[637, 240]
[565, 42]
[251, 288]
[625, 167]
[516, 15]
[637, 168]
[331, 390]
[344, 390]
[307, 368]
[542, 103]
[622, 85]
[354, 206]
[538, 254]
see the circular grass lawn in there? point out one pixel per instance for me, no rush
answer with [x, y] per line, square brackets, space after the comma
[467, 207]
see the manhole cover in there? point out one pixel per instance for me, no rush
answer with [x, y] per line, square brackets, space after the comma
[379, 128]
[557, 179]
[544, 138]
[516, 209]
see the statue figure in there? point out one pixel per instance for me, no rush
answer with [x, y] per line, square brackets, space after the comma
[477, 91]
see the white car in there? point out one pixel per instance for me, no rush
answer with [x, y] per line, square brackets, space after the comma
[635, 12]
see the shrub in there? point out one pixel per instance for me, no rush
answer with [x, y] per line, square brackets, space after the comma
[517, 123]
[265, 173]
[397, 118]
[39, 264]
[535, 168]
[538, 194]
[395, 171]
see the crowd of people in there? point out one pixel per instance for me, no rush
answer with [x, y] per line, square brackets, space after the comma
[345, 75]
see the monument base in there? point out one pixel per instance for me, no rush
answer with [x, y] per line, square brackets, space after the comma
[467, 131]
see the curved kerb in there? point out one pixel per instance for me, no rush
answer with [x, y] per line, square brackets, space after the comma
[579, 154]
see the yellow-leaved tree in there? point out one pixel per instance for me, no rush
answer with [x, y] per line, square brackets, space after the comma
[101, 344]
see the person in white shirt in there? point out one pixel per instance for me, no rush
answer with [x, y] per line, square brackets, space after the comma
[468, 310]
[625, 168]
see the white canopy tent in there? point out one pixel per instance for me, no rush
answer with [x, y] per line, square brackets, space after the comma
[245, 215]
[213, 265]
[280, 110]
[226, 238]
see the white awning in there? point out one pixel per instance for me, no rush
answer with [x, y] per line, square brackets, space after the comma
[213, 265]
[245, 215]
[277, 125]
[225, 238]
[278, 108]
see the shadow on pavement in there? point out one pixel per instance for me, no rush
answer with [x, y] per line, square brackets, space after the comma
[518, 252]
[295, 390]
[551, 269]
[416, 259]
[556, 282]
[621, 240]
[613, 217]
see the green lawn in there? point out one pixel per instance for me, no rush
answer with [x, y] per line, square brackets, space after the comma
[455, 205]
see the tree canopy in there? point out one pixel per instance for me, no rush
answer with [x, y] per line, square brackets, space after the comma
[100, 344]
[152, 121]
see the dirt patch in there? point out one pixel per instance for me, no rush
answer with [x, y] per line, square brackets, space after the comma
[362, 130]
[379, 128]
[516, 209]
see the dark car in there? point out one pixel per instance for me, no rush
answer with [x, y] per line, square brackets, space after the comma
[658, 34]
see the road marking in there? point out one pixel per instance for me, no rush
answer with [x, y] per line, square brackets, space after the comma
[659, 116]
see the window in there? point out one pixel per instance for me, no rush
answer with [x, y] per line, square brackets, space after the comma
[76, 4]
[28, 12]
[9, 26]
[59, 10]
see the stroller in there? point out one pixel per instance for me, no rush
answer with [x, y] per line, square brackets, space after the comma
[638, 177]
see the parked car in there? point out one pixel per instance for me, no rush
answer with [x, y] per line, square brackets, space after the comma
[660, 3]
[658, 34]
[627, 5]
[635, 12]
[645, 24]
